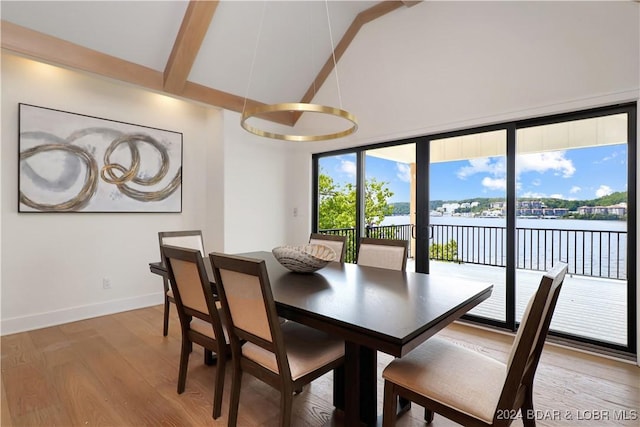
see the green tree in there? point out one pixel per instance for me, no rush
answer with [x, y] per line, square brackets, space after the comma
[337, 207]
[337, 204]
[444, 252]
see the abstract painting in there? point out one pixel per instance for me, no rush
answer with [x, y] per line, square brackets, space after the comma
[72, 162]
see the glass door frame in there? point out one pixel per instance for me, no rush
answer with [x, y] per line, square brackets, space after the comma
[510, 323]
[422, 226]
[361, 154]
[631, 111]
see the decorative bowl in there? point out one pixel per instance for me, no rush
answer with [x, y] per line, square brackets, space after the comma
[304, 259]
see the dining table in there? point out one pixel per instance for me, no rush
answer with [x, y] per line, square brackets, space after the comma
[372, 309]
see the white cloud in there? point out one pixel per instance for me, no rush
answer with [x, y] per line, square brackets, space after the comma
[532, 195]
[603, 190]
[495, 167]
[536, 162]
[403, 172]
[556, 196]
[613, 156]
[547, 161]
[494, 183]
[348, 167]
[575, 189]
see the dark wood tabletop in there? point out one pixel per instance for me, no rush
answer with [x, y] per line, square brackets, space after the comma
[372, 309]
[391, 311]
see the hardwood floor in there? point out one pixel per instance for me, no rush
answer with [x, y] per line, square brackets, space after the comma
[119, 370]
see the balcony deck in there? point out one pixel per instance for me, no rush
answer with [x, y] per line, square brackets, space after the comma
[589, 307]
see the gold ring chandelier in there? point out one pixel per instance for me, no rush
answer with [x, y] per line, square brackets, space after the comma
[298, 107]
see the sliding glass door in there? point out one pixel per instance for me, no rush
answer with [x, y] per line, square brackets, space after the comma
[468, 212]
[337, 201]
[389, 196]
[504, 203]
[573, 207]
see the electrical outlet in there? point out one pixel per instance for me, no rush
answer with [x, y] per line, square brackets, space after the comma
[106, 283]
[295, 212]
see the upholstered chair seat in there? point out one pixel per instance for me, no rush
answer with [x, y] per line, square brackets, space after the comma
[470, 381]
[469, 387]
[202, 327]
[306, 348]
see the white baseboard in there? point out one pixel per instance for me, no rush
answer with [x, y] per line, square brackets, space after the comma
[59, 317]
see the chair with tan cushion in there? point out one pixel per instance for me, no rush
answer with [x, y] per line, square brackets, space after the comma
[471, 388]
[383, 253]
[337, 243]
[200, 318]
[284, 355]
[191, 239]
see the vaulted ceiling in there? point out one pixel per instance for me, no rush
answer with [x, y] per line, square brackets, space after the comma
[229, 54]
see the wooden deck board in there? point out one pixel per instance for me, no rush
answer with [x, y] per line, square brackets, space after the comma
[593, 308]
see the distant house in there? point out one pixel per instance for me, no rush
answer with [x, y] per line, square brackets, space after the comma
[620, 210]
[555, 212]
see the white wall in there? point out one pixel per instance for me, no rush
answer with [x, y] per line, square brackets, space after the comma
[441, 66]
[234, 190]
[53, 264]
[255, 176]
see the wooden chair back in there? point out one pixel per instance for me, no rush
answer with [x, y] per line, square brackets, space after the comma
[529, 342]
[248, 304]
[383, 253]
[194, 298]
[191, 289]
[337, 243]
[191, 239]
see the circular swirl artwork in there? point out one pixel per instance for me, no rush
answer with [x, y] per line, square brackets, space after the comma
[75, 163]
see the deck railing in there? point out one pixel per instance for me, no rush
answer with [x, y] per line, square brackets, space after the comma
[594, 253]
[379, 232]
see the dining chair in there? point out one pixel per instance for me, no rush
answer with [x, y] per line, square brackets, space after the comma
[337, 243]
[200, 318]
[191, 239]
[383, 253]
[284, 355]
[469, 387]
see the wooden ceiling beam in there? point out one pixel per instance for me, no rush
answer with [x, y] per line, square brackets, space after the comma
[192, 31]
[173, 80]
[360, 20]
[411, 3]
[44, 48]
[207, 95]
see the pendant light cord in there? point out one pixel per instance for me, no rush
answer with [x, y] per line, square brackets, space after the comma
[255, 53]
[333, 54]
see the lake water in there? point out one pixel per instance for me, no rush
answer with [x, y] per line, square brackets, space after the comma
[564, 224]
[591, 248]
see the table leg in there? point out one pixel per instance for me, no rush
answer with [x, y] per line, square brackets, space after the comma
[404, 405]
[338, 388]
[359, 398]
[368, 386]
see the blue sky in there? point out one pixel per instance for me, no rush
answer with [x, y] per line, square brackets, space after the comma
[578, 174]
